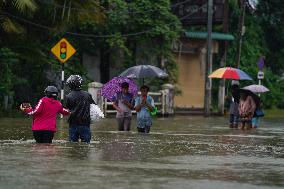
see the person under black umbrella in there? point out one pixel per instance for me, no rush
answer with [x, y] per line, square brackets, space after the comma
[252, 90]
[247, 107]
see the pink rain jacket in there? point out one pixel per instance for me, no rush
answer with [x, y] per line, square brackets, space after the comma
[44, 114]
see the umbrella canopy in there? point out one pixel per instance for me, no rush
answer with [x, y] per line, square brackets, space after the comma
[230, 73]
[142, 71]
[113, 86]
[255, 97]
[256, 88]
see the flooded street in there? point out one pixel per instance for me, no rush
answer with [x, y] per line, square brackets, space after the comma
[180, 152]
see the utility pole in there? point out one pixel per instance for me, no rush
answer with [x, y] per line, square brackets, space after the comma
[221, 92]
[208, 67]
[241, 33]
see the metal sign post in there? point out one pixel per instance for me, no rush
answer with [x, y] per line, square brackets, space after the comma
[62, 83]
[208, 69]
[260, 76]
[260, 73]
[63, 50]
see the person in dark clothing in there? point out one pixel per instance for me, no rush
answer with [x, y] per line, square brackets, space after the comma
[78, 102]
[234, 105]
[258, 112]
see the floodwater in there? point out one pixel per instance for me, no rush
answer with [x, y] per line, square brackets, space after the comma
[180, 152]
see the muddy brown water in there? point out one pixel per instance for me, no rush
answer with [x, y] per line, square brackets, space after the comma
[180, 152]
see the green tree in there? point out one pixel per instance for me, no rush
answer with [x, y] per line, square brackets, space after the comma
[21, 6]
[8, 59]
[271, 18]
[38, 25]
[152, 28]
[34, 29]
[260, 40]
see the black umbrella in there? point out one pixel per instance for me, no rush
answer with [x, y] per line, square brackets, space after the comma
[142, 71]
[255, 97]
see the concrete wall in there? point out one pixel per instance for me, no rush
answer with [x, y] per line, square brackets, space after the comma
[116, 62]
[92, 65]
[190, 82]
[191, 60]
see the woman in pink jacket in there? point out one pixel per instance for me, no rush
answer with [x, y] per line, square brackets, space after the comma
[44, 115]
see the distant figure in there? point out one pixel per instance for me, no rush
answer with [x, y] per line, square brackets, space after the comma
[258, 113]
[44, 115]
[246, 109]
[144, 104]
[78, 102]
[122, 102]
[234, 105]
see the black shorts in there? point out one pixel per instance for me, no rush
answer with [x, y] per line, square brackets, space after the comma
[146, 129]
[43, 136]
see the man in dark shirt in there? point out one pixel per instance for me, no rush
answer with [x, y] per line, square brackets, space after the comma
[78, 102]
[234, 105]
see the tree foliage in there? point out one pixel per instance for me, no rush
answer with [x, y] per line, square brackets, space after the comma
[271, 18]
[24, 7]
[136, 31]
[7, 61]
[131, 26]
[263, 37]
[108, 26]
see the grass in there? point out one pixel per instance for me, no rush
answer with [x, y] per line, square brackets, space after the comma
[274, 113]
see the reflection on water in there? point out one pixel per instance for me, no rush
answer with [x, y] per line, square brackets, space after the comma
[181, 152]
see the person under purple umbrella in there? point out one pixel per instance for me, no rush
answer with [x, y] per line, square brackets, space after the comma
[113, 86]
[123, 103]
[144, 105]
[121, 91]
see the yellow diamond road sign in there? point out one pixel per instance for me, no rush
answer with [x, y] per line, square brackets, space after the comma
[63, 50]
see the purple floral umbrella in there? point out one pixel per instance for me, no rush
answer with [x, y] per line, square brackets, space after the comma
[113, 86]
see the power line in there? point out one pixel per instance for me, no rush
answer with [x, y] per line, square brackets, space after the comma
[126, 11]
[89, 35]
[71, 33]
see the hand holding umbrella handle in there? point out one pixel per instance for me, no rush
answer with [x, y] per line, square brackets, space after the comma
[115, 106]
[120, 110]
[127, 103]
